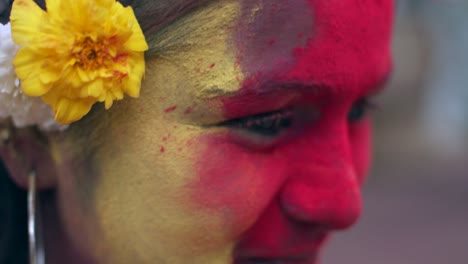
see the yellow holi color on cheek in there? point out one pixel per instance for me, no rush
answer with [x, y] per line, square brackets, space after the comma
[144, 210]
[143, 201]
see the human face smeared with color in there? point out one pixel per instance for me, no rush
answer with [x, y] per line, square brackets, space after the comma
[249, 141]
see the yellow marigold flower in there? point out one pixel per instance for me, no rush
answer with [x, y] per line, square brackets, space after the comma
[77, 53]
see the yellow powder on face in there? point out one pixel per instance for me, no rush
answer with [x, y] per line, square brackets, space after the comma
[205, 51]
[142, 203]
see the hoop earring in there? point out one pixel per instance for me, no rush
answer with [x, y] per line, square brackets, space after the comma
[5, 135]
[36, 242]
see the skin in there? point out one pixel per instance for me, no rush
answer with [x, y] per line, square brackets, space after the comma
[164, 178]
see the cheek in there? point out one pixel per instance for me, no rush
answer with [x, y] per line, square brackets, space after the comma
[235, 185]
[360, 139]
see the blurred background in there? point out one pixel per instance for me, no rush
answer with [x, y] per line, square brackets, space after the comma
[416, 198]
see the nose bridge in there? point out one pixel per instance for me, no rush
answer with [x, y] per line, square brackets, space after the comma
[322, 187]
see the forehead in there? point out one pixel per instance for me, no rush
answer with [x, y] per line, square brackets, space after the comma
[232, 46]
[337, 43]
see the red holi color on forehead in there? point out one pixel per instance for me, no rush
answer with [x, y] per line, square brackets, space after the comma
[348, 49]
[350, 45]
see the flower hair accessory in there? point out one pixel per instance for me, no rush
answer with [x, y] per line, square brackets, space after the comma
[22, 109]
[77, 53]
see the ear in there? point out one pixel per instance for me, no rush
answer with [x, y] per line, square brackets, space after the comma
[25, 150]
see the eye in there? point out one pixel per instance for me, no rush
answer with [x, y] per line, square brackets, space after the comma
[268, 124]
[262, 128]
[360, 110]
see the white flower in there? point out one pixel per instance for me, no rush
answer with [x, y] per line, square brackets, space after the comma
[23, 110]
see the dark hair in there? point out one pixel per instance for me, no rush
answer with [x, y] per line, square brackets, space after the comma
[13, 221]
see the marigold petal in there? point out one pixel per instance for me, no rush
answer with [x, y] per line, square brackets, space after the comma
[68, 111]
[133, 87]
[95, 88]
[118, 94]
[53, 7]
[108, 102]
[132, 84]
[137, 41]
[34, 87]
[85, 76]
[49, 76]
[71, 78]
[106, 3]
[25, 30]
[29, 68]
[26, 63]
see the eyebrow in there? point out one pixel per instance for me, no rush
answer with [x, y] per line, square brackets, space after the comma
[265, 87]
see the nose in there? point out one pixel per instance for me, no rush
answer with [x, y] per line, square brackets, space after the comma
[322, 195]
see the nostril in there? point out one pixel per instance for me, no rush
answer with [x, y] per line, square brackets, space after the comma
[332, 208]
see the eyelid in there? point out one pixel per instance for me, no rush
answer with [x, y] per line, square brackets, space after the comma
[303, 114]
[260, 131]
[289, 123]
[274, 114]
[361, 109]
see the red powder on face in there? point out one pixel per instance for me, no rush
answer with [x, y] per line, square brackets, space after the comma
[166, 138]
[272, 41]
[170, 109]
[309, 185]
[298, 51]
[188, 111]
[162, 149]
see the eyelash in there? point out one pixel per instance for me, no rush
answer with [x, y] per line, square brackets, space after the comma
[267, 128]
[270, 124]
[360, 109]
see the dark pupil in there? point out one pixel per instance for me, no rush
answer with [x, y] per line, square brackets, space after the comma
[358, 111]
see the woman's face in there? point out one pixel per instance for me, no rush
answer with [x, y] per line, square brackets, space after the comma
[249, 141]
